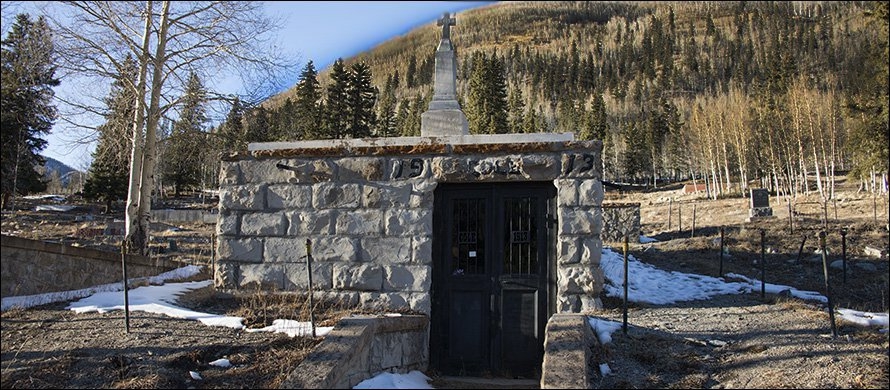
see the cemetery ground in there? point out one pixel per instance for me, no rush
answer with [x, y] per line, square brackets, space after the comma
[730, 341]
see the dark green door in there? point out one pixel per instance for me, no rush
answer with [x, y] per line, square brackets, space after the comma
[491, 271]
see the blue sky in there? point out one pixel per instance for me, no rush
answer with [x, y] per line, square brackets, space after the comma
[320, 31]
[325, 30]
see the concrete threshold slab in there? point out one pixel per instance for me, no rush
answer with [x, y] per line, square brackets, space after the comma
[465, 382]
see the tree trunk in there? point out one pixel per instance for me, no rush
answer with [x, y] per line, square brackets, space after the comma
[822, 192]
[154, 115]
[726, 169]
[714, 180]
[135, 236]
[811, 123]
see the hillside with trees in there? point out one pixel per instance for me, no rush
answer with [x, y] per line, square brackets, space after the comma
[782, 95]
[726, 93]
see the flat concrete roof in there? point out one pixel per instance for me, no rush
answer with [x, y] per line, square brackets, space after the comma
[473, 139]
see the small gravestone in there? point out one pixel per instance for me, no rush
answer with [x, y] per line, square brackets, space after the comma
[759, 204]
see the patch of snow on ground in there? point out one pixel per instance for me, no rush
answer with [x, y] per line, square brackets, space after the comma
[294, 328]
[411, 380]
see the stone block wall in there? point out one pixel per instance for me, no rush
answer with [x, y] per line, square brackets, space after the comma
[32, 267]
[368, 213]
[620, 219]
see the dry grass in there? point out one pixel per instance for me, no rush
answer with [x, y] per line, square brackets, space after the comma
[151, 381]
[260, 308]
[653, 358]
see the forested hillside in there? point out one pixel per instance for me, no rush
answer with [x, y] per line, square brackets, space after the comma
[727, 92]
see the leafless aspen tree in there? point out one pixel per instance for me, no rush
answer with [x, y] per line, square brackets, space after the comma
[169, 40]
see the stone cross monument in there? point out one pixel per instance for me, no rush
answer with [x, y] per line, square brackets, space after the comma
[444, 116]
[446, 22]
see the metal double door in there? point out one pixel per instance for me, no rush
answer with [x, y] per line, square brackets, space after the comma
[492, 278]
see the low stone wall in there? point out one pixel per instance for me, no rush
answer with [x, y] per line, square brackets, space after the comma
[620, 219]
[174, 215]
[32, 267]
[360, 347]
[567, 352]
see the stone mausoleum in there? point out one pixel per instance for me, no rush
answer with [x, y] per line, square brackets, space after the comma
[489, 235]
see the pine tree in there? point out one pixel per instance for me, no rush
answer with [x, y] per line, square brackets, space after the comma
[184, 150]
[360, 99]
[487, 97]
[412, 121]
[499, 97]
[424, 74]
[529, 125]
[386, 111]
[396, 82]
[573, 71]
[256, 126]
[108, 178]
[336, 104]
[401, 119]
[231, 132]
[411, 74]
[26, 110]
[517, 107]
[636, 158]
[710, 29]
[308, 118]
[284, 122]
[596, 122]
[570, 115]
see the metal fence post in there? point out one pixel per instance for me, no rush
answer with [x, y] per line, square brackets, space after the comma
[827, 284]
[126, 286]
[309, 270]
[844, 252]
[720, 274]
[800, 251]
[624, 323]
[790, 216]
[762, 264]
[679, 218]
[670, 210]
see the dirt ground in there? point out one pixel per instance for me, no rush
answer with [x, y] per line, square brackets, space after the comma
[734, 341]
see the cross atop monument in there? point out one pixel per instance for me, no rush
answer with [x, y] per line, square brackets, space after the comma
[446, 22]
